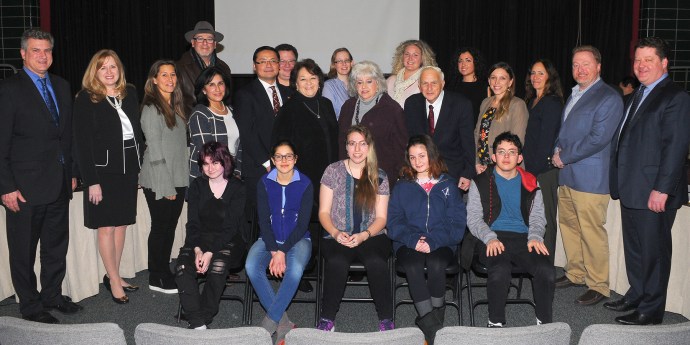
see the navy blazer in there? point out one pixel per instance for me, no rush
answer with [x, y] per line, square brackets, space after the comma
[651, 154]
[30, 143]
[585, 139]
[454, 132]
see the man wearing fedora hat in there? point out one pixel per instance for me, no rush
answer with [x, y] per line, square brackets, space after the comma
[202, 55]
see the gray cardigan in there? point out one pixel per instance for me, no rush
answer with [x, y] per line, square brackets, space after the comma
[166, 160]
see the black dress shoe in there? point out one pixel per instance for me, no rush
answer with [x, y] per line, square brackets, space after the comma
[590, 297]
[43, 317]
[66, 306]
[305, 286]
[121, 300]
[620, 305]
[128, 288]
[635, 318]
[564, 282]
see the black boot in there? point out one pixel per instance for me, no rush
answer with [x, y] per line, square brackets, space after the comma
[429, 324]
[440, 314]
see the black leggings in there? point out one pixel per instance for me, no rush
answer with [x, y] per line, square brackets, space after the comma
[374, 254]
[434, 285]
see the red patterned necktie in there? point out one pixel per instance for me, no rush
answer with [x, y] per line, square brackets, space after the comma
[431, 119]
[276, 101]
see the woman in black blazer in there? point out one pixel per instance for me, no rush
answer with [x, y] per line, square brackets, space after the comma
[108, 136]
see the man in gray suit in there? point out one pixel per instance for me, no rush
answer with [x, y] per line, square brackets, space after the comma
[582, 152]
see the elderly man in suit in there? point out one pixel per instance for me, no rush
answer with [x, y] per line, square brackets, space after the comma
[582, 153]
[648, 175]
[36, 177]
[204, 39]
[447, 118]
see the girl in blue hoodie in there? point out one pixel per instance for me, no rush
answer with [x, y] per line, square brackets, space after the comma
[426, 221]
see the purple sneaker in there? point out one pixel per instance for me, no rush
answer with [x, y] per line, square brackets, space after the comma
[326, 325]
[386, 325]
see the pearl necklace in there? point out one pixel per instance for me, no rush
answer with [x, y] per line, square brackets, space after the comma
[115, 103]
[221, 110]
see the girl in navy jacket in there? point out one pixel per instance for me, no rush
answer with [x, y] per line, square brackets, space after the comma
[426, 221]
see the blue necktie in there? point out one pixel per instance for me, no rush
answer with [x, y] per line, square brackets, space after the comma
[49, 102]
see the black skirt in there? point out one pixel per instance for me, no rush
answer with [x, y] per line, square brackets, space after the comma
[119, 204]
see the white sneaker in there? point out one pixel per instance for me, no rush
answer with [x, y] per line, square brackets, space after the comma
[494, 325]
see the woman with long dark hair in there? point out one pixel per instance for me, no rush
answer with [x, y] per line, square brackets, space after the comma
[469, 78]
[165, 172]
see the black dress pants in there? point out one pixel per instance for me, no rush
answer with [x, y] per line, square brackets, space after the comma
[164, 217]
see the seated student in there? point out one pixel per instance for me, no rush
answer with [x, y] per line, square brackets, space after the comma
[505, 211]
[353, 203]
[214, 241]
[426, 221]
[284, 201]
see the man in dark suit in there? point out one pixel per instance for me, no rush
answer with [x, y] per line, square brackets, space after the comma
[257, 105]
[447, 118]
[582, 153]
[36, 177]
[648, 175]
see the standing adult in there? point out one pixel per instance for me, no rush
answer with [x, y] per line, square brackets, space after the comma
[410, 56]
[544, 98]
[287, 58]
[470, 78]
[212, 119]
[257, 105]
[649, 152]
[36, 177]
[447, 118]
[582, 152]
[108, 138]
[372, 107]
[165, 171]
[501, 112]
[202, 55]
[335, 88]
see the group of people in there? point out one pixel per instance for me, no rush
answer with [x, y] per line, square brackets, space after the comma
[404, 166]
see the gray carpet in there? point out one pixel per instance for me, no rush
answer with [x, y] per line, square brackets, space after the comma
[150, 306]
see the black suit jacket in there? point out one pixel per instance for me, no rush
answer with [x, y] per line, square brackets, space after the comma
[30, 143]
[651, 153]
[254, 116]
[98, 136]
[454, 133]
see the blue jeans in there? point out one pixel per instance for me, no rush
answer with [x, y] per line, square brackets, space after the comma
[258, 259]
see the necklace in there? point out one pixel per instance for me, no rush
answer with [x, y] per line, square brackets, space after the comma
[359, 100]
[115, 103]
[347, 167]
[221, 110]
[318, 109]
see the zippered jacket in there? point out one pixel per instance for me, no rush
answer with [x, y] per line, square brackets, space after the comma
[440, 216]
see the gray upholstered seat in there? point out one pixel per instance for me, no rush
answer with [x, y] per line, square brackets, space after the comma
[678, 334]
[155, 334]
[557, 333]
[310, 336]
[18, 331]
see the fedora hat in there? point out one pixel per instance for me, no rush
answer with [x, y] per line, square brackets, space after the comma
[203, 27]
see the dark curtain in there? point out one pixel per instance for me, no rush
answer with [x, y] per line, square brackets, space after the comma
[140, 31]
[520, 31]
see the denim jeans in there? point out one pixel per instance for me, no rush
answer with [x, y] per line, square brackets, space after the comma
[258, 259]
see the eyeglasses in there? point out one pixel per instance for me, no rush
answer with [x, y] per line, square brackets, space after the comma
[288, 157]
[508, 153]
[340, 62]
[202, 40]
[262, 62]
[360, 144]
[287, 62]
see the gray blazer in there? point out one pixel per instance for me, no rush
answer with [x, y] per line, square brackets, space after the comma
[585, 139]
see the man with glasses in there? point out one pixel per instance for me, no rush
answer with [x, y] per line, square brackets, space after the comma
[257, 105]
[202, 55]
[287, 58]
[505, 211]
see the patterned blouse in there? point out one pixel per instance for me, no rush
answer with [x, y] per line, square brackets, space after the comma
[342, 183]
[483, 152]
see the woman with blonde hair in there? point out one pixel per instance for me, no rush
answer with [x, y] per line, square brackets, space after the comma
[108, 136]
[410, 56]
[500, 112]
[165, 171]
[352, 210]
